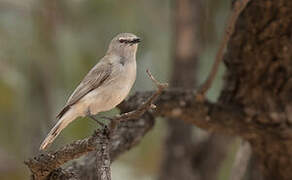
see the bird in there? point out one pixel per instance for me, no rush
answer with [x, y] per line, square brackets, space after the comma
[105, 86]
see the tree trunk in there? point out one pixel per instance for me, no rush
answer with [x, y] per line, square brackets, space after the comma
[259, 80]
[177, 162]
[182, 155]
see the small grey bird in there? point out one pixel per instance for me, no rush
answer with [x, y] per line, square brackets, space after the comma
[105, 86]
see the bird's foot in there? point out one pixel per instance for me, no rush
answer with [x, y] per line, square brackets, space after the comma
[97, 121]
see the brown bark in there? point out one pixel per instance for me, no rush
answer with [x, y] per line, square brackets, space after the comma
[253, 171]
[103, 161]
[258, 79]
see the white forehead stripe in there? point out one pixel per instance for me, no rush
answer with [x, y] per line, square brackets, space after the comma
[126, 39]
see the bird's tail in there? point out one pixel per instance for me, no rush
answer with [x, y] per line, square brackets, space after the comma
[61, 124]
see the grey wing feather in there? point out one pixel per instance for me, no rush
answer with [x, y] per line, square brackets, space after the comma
[95, 77]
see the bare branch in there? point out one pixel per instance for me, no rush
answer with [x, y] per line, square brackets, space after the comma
[239, 6]
[214, 117]
[103, 161]
[43, 164]
[180, 104]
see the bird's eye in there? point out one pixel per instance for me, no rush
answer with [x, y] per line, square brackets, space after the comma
[122, 40]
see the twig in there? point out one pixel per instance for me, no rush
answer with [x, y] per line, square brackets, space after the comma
[239, 6]
[42, 165]
[145, 106]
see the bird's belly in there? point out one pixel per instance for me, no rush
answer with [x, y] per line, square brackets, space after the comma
[108, 99]
[109, 96]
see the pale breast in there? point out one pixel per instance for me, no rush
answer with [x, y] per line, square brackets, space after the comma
[114, 91]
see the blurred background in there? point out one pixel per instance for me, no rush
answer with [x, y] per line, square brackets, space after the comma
[47, 47]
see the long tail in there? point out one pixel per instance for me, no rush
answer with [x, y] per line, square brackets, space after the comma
[61, 124]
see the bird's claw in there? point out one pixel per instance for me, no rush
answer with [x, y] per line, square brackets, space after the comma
[97, 121]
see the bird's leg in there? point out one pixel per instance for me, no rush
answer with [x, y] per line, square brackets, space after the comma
[112, 124]
[93, 118]
[96, 120]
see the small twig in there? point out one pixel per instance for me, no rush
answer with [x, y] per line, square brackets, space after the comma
[141, 109]
[239, 6]
[145, 106]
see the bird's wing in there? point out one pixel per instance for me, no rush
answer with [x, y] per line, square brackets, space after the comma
[95, 77]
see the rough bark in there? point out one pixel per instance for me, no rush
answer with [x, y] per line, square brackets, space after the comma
[258, 79]
[127, 135]
[103, 161]
[254, 171]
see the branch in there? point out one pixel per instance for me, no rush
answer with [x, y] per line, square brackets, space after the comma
[103, 162]
[239, 6]
[174, 104]
[42, 165]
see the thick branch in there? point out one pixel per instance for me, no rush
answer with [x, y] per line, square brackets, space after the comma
[103, 162]
[206, 115]
[43, 164]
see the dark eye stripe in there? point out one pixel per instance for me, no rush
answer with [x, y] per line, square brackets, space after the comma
[124, 41]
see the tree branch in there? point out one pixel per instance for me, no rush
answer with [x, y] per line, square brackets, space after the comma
[238, 7]
[213, 117]
[103, 161]
[174, 103]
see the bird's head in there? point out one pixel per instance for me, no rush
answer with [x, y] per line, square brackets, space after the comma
[124, 44]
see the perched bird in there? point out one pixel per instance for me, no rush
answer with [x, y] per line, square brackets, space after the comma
[105, 86]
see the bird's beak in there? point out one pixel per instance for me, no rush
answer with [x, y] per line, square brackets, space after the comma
[136, 40]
